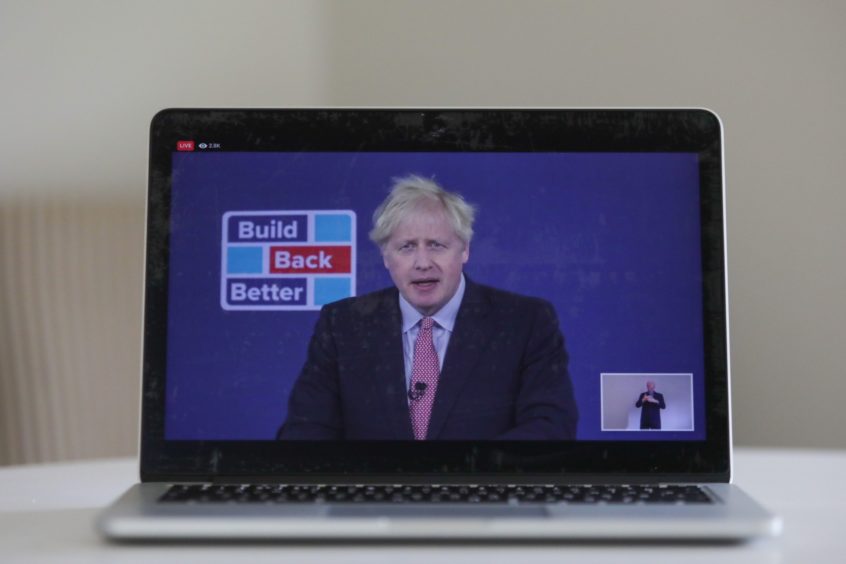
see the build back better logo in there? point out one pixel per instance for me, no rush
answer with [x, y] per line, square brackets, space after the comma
[287, 260]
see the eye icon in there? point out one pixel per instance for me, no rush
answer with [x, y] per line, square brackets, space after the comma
[203, 145]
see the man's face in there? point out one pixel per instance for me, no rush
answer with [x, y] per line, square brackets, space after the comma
[425, 258]
[650, 386]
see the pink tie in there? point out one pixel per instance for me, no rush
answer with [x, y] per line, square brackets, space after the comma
[424, 379]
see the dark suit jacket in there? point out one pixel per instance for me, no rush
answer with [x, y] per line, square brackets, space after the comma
[504, 376]
[650, 413]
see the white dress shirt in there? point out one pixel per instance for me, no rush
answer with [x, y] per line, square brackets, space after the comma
[441, 331]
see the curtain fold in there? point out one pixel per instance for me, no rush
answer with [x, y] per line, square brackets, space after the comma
[70, 329]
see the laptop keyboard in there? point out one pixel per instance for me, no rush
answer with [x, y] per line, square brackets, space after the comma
[582, 494]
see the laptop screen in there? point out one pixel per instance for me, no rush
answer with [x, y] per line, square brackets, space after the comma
[574, 312]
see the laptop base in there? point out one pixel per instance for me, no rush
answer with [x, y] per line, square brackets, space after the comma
[138, 515]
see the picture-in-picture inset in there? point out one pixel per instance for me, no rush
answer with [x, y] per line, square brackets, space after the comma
[647, 402]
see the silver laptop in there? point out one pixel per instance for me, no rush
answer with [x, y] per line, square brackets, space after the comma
[435, 323]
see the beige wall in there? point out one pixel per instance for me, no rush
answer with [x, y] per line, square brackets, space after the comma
[80, 81]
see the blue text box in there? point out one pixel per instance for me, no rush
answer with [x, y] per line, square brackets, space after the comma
[267, 228]
[261, 292]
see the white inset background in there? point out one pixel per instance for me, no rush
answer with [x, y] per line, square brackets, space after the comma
[620, 391]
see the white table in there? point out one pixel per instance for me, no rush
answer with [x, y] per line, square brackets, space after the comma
[47, 511]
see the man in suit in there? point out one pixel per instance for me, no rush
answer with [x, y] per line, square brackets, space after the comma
[651, 404]
[437, 357]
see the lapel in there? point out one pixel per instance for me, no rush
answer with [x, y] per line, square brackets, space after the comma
[469, 339]
[383, 332]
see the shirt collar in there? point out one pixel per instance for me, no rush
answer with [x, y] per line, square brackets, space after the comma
[444, 317]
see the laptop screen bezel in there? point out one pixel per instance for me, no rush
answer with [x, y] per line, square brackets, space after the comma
[385, 130]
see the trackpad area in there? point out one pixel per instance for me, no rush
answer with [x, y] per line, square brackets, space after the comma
[436, 511]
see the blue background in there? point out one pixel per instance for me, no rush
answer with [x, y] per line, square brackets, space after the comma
[612, 240]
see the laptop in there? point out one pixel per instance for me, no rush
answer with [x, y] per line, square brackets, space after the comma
[436, 324]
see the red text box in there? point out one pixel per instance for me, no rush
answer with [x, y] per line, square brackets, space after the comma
[320, 259]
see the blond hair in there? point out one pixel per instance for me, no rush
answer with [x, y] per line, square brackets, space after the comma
[407, 195]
